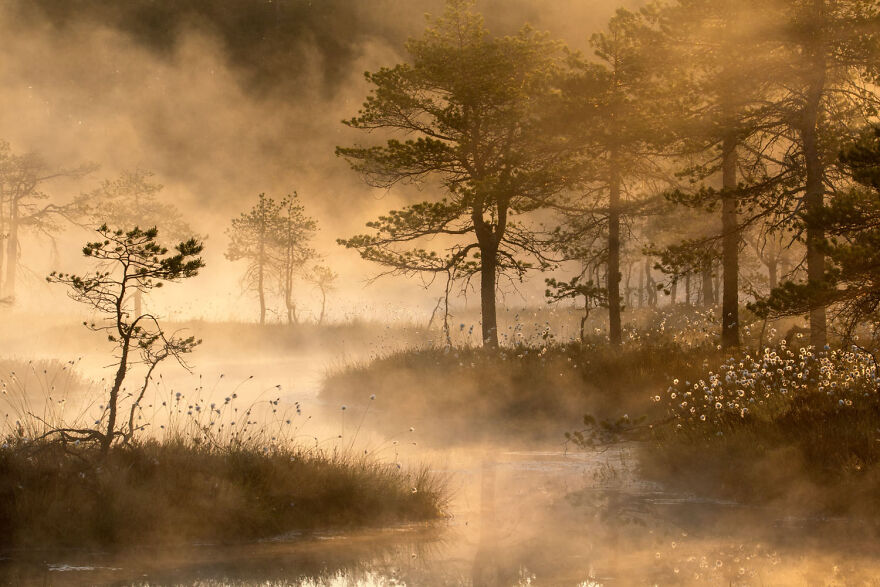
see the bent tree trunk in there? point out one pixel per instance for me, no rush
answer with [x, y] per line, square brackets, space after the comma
[729, 246]
[107, 440]
[613, 279]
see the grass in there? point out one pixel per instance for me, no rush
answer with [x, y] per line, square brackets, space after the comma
[154, 492]
[194, 471]
[523, 393]
[792, 428]
[781, 426]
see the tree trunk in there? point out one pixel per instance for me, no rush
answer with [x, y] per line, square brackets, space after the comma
[584, 319]
[687, 289]
[772, 271]
[708, 289]
[641, 287]
[729, 246]
[2, 239]
[628, 286]
[613, 278]
[261, 291]
[114, 392]
[323, 305]
[487, 298]
[814, 194]
[288, 300]
[650, 290]
[488, 240]
[673, 292]
[11, 252]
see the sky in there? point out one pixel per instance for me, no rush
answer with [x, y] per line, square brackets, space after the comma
[224, 100]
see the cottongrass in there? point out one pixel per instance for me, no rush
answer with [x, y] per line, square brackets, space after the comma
[794, 426]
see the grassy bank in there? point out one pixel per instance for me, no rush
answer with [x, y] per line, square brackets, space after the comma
[192, 470]
[789, 428]
[522, 393]
[52, 495]
[784, 426]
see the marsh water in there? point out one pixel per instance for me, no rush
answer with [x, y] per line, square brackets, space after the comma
[519, 514]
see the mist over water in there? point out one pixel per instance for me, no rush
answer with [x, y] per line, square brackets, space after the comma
[560, 452]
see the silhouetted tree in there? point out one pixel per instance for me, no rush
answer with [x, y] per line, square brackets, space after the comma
[850, 284]
[132, 199]
[828, 93]
[127, 260]
[251, 238]
[617, 138]
[291, 249]
[593, 296]
[273, 237]
[24, 206]
[471, 106]
[324, 279]
[717, 68]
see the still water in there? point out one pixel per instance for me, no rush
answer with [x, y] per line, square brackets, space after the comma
[517, 518]
[541, 516]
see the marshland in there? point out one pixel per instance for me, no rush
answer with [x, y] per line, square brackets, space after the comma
[444, 292]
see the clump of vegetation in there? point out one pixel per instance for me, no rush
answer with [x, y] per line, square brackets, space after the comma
[780, 425]
[520, 392]
[180, 491]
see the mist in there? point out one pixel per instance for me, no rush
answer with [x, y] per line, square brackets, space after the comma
[439, 292]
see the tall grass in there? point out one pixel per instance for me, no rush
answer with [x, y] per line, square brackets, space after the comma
[153, 492]
[196, 470]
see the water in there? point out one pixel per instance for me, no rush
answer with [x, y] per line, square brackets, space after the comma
[517, 518]
[543, 516]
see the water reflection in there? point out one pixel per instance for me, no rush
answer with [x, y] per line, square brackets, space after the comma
[541, 518]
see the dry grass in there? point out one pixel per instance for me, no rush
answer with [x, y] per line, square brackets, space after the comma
[178, 492]
[522, 393]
